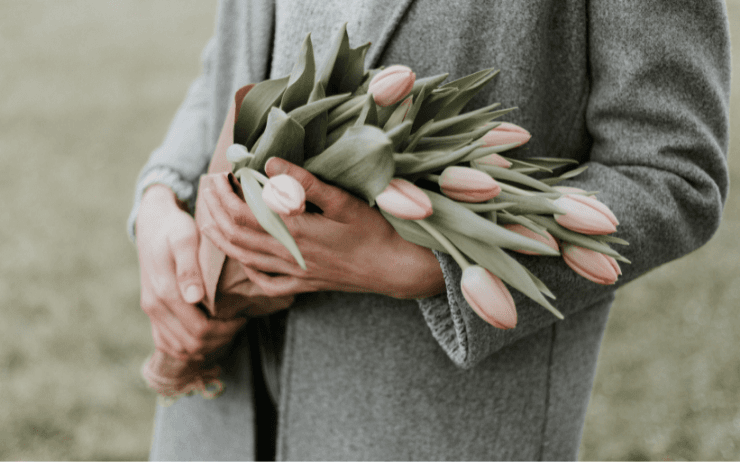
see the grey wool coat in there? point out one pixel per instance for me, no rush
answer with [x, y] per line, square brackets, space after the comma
[637, 89]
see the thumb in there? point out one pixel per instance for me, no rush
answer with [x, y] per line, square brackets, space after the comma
[337, 204]
[183, 243]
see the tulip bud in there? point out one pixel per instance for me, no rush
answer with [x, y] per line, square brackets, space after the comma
[284, 195]
[390, 85]
[506, 133]
[489, 297]
[586, 215]
[468, 185]
[495, 160]
[592, 265]
[526, 232]
[404, 200]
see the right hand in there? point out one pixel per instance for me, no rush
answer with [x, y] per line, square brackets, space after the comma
[171, 280]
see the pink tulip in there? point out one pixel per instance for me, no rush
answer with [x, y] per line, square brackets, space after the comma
[586, 215]
[526, 232]
[495, 160]
[284, 195]
[390, 85]
[468, 185]
[489, 297]
[506, 133]
[592, 265]
[404, 200]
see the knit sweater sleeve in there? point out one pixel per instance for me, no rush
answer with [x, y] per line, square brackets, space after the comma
[658, 117]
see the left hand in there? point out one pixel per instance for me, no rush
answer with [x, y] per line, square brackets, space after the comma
[349, 247]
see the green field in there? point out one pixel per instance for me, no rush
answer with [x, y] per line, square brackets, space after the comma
[88, 89]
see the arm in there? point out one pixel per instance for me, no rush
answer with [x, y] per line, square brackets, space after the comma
[658, 117]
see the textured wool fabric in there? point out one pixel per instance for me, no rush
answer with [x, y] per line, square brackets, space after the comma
[637, 89]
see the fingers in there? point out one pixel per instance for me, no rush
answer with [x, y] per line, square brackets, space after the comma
[336, 203]
[278, 286]
[233, 206]
[183, 245]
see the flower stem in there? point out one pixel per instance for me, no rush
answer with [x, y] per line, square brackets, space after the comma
[260, 177]
[449, 246]
[431, 177]
[514, 190]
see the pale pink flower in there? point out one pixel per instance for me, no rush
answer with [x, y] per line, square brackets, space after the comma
[391, 84]
[468, 185]
[284, 195]
[489, 297]
[586, 215]
[506, 133]
[526, 232]
[404, 200]
[590, 264]
[495, 160]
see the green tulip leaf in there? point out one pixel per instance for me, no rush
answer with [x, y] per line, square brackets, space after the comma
[301, 79]
[501, 173]
[421, 161]
[466, 92]
[360, 161]
[314, 139]
[399, 134]
[449, 215]
[283, 137]
[255, 107]
[528, 204]
[335, 65]
[566, 175]
[355, 69]
[368, 115]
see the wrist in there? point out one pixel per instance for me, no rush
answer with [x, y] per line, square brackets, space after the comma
[417, 273]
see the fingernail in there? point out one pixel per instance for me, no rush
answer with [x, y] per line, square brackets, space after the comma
[193, 294]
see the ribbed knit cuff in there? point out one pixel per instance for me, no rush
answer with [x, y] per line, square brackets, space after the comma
[443, 313]
[183, 189]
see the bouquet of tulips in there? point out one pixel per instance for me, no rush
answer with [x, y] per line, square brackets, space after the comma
[436, 174]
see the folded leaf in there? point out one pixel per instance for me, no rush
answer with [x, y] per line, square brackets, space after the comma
[354, 69]
[335, 64]
[301, 79]
[283, 138]
[516, 177]
[566, 175]
[304, 114]
[420, 161]
[466, 92]
[314, 139]
[255, 107]
[449, 215]
[399, 134]
[528, 204]
[360, 161]
[369, 114]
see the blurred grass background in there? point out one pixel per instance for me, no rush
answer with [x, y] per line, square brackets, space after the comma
[87, 89]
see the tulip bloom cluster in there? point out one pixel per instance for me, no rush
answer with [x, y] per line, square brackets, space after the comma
[436, 173]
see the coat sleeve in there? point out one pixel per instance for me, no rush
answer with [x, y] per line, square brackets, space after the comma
[187, 148]
[658, 117]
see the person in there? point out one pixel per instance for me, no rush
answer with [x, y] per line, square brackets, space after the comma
[379, 356]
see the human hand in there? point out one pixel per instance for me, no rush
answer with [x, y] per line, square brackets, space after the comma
[348, 247]
[171, 281]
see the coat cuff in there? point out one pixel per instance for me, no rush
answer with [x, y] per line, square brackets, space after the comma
[183, 189]
[444, 313]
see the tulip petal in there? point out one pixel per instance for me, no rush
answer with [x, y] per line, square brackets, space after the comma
[594, 266]
[489, 297]
[405, 200]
